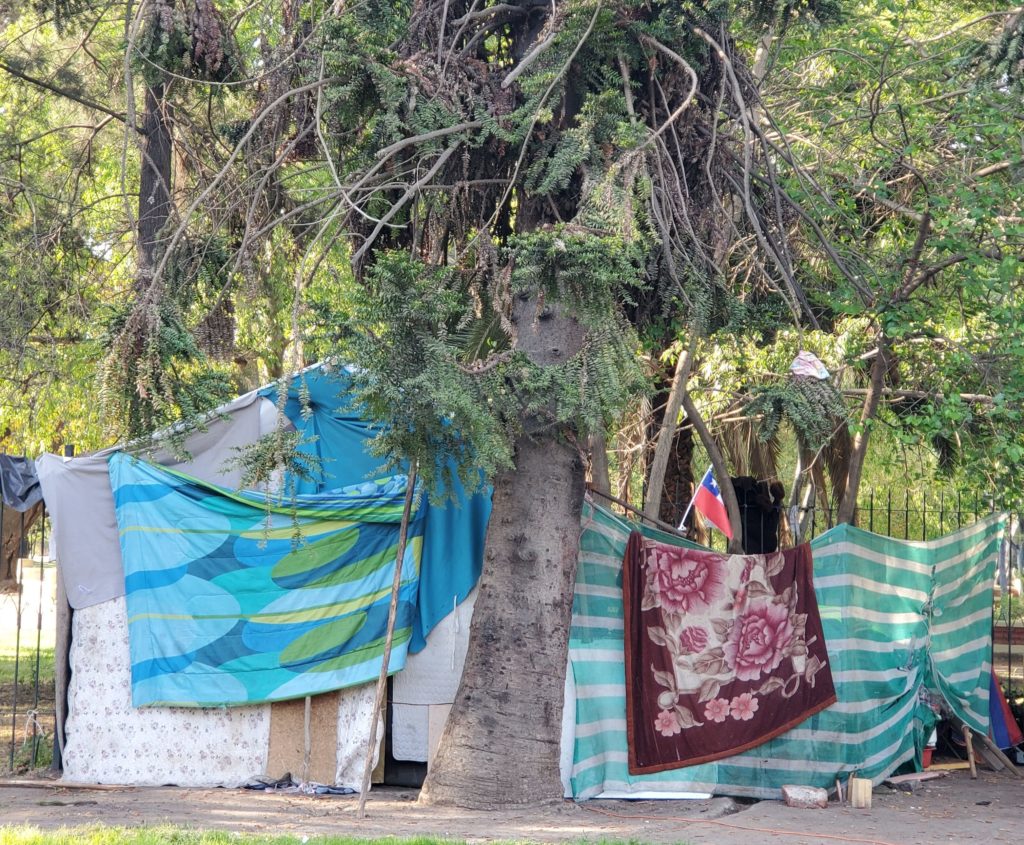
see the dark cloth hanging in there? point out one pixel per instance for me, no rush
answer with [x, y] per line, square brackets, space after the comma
[723, 652]
[760, 513]
[19, 484]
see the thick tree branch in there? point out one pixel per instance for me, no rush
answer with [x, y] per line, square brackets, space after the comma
[721, 469]
[65, 93]
[879, 367]
[663, 448]
[390, 150]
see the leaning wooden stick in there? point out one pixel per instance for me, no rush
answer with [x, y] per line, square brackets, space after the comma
[382, 679]
[970, 752]
[999, 755]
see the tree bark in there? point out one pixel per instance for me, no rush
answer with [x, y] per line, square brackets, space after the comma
[502, 741]
[154, 182]
[600, 478]
[848, 502]
[678, 478]
[721, 469]
[666, 436]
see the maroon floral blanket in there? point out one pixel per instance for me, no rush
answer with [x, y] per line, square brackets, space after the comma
[723, 652]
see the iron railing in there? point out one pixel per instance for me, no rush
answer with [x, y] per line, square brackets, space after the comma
[27, 632]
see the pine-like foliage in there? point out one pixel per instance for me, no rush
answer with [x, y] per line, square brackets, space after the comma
[188, 38]
[406, 342]
[1003, 58]
[814, 408]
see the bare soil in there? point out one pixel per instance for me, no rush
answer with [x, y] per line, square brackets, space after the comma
[953, 809]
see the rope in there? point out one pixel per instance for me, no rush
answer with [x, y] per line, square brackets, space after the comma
[31, 719]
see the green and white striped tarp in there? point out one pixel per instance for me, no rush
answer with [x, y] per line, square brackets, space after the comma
[900, 618]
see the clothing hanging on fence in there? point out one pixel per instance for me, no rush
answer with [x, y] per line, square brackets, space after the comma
[723, 652]
[19, 484]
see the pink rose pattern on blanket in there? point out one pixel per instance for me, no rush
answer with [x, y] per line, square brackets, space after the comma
[723, 652]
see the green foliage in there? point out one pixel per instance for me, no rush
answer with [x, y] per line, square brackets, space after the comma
[187, 38]
[155, 374]
[1002, 59]
[814, 12]
[436, 402]
[64, 13]
[891, 115]
[409, 375]
[813, 407]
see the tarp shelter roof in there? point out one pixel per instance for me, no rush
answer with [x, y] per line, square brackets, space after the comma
[79, 499]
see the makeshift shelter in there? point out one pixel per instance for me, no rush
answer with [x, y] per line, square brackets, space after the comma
[907, 625]
[107, 738]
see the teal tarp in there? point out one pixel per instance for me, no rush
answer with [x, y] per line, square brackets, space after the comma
[900, 618]
[318, 406]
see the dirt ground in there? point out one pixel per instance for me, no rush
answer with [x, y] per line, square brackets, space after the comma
[951, 809]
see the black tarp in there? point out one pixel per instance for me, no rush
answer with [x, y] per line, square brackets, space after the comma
[19, 485]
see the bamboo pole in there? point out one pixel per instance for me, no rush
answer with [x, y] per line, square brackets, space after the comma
[382, 679]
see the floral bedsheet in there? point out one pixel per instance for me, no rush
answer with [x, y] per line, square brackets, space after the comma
[723, 652]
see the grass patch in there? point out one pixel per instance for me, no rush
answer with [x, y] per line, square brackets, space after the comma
[168, 835]
[26, 665]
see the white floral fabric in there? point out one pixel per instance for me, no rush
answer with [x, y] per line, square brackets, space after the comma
[109, 741]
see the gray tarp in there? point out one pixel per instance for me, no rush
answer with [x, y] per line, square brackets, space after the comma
[19, 485]
[81, 505]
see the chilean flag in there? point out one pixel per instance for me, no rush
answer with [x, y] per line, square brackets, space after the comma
[708, 500]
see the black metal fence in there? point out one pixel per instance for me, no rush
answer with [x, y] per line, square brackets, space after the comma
[27, 638]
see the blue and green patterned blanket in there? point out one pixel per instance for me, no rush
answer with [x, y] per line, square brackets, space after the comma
[233, 602]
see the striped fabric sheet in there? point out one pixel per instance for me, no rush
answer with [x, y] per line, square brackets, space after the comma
[881, 602]
[226, 608]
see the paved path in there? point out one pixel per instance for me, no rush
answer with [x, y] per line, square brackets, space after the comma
[953, 809]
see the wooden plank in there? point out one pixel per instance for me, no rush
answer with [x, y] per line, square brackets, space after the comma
[915, 777]
[287, 751]
[38, 783]
[998, 752]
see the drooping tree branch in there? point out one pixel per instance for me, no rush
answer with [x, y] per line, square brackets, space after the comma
[82, 100]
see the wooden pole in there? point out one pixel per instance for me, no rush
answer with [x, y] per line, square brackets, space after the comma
[970, 752]
[998, 754]
[382, 679]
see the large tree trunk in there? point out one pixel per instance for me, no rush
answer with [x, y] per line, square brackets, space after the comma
[154, 182]
[16, 526]
[679, 479]
[502, 741]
